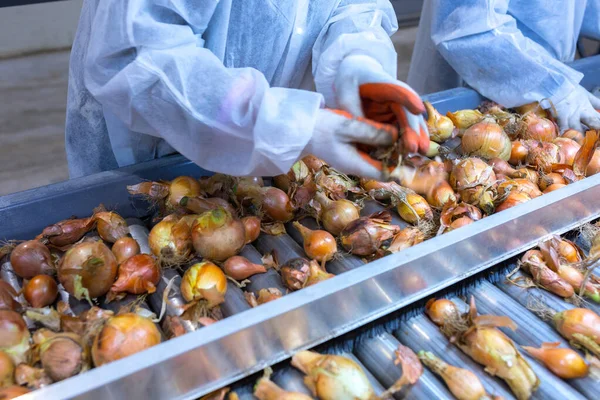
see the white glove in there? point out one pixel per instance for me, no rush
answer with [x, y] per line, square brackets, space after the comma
[334, 137]
[392, 98]
[579, 106]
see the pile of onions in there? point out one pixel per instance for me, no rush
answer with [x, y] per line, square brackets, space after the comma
[318, 244]
[122, 336]
[487, 139]
[14, 336]
[88, 270]
[335, 215]
[204, 281]
[171, 240]
[40, 291]
[125, 248]
[217, 235]
[32, 258]
[564, 363]
[137, 275]
[241, 268]
[63, 355]
[8, 297]
[440, 127]
[366, 235]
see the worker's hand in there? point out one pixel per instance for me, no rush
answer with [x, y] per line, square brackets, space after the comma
[335, 135]
[364, 89]
[580, 106]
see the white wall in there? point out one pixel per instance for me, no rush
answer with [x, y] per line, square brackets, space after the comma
[38, 27]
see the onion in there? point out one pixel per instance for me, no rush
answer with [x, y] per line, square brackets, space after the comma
[440, 127]
[513, 199]
[564, 363]
[441, 194]
[110, 225]
[502, 167]
[533, 263]
[251, 228]
[318, 244]
[265, 295]
[137, 275]
[199, 205]
[335, 215]
[171, 240]
[12, 392]
[577, 324]
[7, 371]
[334, 184]
[366, 235]
[551, 179]
[543, 155]
[8, 297]
[518, 153]
[594, 165]
[217, 235]
[241, 268]
[169, 193]
[32, 258]
[486, 139]
[574, 135]
[14, 336]
[333, 377]
[295, 272]
[122, 336]
[41, 291]
[441, 311]
[553, 187]
[568, 251]
[204, 281]
[414, 208]
[532, 108]
[519, 186]
[273, 202]
[317, 273]
[33, 378]
[265, 389]
[63, 355]
[406, 238]
[464, 119]
[538, 128]
[67, 232]
[462, 383]
[567, 149]
[125, 248]
[472, 178]
[88, 270]
[313, 163]
[455, 216]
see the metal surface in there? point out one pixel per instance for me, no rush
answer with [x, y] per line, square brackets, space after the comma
[204, 360]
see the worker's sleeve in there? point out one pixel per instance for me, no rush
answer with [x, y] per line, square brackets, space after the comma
[591, 20]
[483, 44]
[355, 27]
[146, 64]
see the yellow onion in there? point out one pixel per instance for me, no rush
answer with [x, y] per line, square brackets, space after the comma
[318, 244]
[486, 139]
[472, 178]
[241, 268]
[441, 194]
[551, 179]
[199, 205]
[574, 135]
[464, 119]
[542, 155]
[518, 153]
[568, 251]
[538, 128]
[168, 193]
[414, 208]
[441, 311]
[171, 240]
[462, 383]
[366, 235]
[204, 281]
[564, 363]
[31, 377]
[533, 263]
[440, 127]
[335, 215]
[32, 258]
[513, 199]
[455, 216]
[63, 355]
[594, 165]
[316, 273]
[217, 235]
[125, 248]
[110, 225]
[272, 201]
[553, 187]
[7, 370]
[577, 324]
[519, 186]
[122, 336]
[532, 108]
[67, 232]
[567, 149]
[266, 295]
[406, 238]
[265, 389]
[333, 377]
[14, 336]
[40, 291]
[313, 163]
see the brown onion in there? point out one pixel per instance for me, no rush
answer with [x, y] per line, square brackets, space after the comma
[567, 149]
[318, 244]
[441, 311]
[241, 268]
[518, 153]
[124, 248]
[335, 215]
[41, 291]
[578, 321]
[440, 127]
[122, 336]
[170, 193]
[14, 336]
[568, 251]
[171, 240]
[564, 363]
[574, 135]
[33, 378]
[594, 165]
[7, 370]
[486, 139]
[406, 238]
[513, 199]
[532, 108]
[414, 208]
[272, 201]
[538, 128]
[63, 355]
[317, 273]
[110, 225]
[199, 205]
[553, 187]
[441, 194]
[313, 163]
[295, 273]
[542, 155]
[551, 179]
[32, 258]
[464, 119]
[217, 235]
[67, 232]
[366, 235]
[12, 392]
[88, 270]
[137, 275]
[251, 228]
[204, 281]
[533, 263]
[8, 297]
[520, 186]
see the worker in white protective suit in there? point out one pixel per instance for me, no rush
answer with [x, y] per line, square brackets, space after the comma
[510, 51]
[227, 84]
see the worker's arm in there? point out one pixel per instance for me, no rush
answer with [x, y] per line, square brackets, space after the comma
[591, 20]
[481, 41]
[147, 65]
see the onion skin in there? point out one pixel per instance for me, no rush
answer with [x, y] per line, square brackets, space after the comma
[199, 205]
[139, 274]
[318, 244]
[487, 139]
[406, 238]
[335, 215]
[67, 232]
[216, 235]
[333, 377]
[32, 258]
[7, 370]
[251, 228]
[533, 263]
[14, 336]
[295, 273]
[88, 267]
[266, 295]
[8, 297]
[441, 311]
[532, 108]
[518, 153]
[122, 336]
[578, 321]
[241, 268]
[313, 163]
[564, 363]
[366, 235]
[171, 240]
[470, 178]
[204, 281]
[41, 291]
[110, 226]
[317, 273]
[63, 355]
[124, 248]
[12, 392]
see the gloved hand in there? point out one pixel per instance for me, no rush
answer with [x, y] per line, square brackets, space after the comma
[363, 88]
[335, 135]
[579, 106]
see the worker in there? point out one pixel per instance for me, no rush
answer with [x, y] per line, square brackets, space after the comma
[511, 51]
[227, 84]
